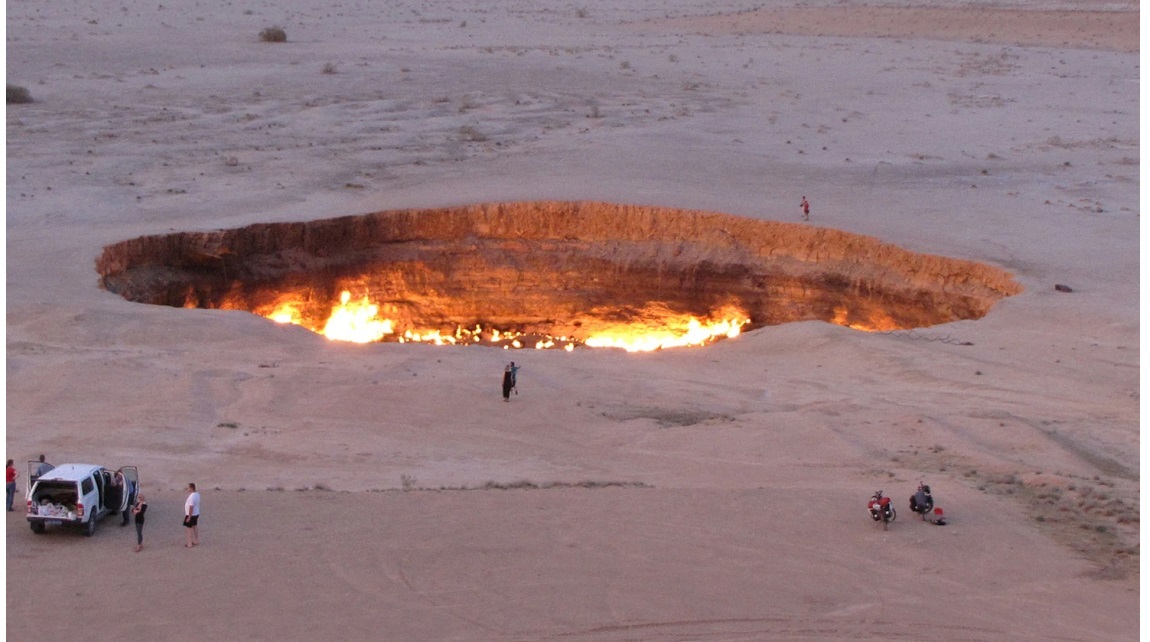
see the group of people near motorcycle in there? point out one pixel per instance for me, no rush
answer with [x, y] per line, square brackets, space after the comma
[921, 502]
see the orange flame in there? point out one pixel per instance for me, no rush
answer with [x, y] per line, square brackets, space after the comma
[673, 332]
[359, 321]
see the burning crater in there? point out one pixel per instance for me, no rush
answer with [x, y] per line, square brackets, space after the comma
[550, 274]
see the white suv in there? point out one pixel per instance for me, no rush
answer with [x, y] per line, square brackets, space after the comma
[79, 495]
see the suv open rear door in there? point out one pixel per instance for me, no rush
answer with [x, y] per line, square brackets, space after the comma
[131, 487]
[33, 466]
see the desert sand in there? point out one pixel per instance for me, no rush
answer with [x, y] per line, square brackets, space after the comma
[385, 491]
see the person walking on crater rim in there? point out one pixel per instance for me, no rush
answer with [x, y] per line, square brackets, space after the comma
[508, 382]
[806, 209]
[192, 516]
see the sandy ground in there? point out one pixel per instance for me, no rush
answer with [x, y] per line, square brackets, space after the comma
[386, 492]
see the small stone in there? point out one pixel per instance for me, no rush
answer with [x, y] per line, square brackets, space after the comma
[1062, 288]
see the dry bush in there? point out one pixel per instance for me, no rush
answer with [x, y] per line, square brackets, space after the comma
[471, 134]
[273, 34]
[18, 95]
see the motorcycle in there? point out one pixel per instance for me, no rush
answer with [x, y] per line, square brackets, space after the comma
[921, 502]
[881, 510]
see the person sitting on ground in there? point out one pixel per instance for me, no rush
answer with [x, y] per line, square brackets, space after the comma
[937, 518]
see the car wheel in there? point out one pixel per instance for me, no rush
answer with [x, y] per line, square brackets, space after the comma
[90, 527]
[37, 527]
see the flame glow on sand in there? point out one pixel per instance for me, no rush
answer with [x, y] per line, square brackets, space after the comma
[359, 321]
[875, 321]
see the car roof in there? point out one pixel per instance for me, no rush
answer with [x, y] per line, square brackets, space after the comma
[69, 472]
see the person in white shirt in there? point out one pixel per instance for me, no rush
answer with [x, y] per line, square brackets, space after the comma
[192, 516]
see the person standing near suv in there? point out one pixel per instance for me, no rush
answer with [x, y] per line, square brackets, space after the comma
[10, 475]
[192, 516]
[41, 468]
[138, 510]
[130, 489]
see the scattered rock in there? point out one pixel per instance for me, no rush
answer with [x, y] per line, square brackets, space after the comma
[1062, 288]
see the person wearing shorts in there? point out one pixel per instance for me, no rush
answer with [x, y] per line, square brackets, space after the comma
[138, 510]
[192, 516]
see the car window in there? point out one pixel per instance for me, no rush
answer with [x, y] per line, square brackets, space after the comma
[87, 486]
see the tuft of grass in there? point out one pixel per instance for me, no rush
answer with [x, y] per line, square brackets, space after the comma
[329, 68]
[273, 34]
[18, 95]
[471, 134]
[467, 103]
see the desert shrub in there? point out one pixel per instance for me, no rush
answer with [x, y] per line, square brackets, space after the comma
[471, 134]
[18, 95]
[273, 34]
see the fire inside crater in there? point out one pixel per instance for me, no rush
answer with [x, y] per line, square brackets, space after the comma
[551, 274]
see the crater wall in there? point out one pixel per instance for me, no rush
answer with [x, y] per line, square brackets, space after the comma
[556, 268]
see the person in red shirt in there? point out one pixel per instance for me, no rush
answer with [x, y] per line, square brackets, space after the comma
[11, 475]
[806, 209]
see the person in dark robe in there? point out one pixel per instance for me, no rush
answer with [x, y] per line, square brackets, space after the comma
[508, 382]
